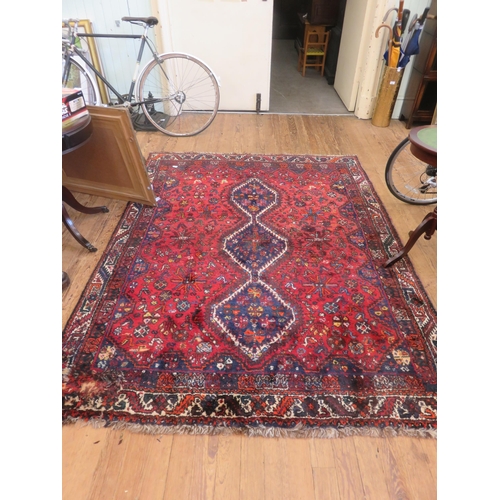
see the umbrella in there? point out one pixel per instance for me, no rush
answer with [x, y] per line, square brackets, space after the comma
[395, 49]
[404, 20]
[390, 38]
[410, 32]
[412, 47]
[393, 53]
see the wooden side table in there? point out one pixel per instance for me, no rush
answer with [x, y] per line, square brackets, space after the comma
[72, 140]
[423, 145]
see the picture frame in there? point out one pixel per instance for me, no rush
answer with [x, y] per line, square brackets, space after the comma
[110, 164]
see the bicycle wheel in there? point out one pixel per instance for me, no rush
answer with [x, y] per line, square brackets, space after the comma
[180, 94]
[76, 77]
[409, 179]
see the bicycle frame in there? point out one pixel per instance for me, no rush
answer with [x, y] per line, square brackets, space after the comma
[144, 41]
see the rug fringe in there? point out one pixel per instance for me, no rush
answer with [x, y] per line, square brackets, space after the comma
[298, 431]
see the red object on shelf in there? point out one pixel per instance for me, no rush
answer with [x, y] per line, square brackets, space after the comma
[74, 110]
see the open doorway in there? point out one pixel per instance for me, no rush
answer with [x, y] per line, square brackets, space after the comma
[290, 91]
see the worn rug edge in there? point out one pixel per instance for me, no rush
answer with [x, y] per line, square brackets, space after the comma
[260, 431]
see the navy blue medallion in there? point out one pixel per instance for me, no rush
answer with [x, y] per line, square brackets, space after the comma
[254, 316]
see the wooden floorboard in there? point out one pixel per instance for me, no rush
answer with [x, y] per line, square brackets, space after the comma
[102, 464]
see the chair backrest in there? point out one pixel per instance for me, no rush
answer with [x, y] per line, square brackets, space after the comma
[316, 42]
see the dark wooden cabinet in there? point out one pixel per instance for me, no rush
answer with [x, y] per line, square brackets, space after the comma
[322, 11]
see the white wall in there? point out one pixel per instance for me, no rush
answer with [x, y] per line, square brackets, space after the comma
[233, 37]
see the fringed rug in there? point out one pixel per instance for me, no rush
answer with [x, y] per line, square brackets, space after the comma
[253, 299]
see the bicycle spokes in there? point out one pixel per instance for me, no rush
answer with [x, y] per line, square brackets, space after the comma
[409, 179]
[182, 88]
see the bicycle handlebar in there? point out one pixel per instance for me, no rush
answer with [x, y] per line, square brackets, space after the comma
[71, 29]
[67, 22]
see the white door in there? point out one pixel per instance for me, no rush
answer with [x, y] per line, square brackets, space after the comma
[351, 51]
[233, 37]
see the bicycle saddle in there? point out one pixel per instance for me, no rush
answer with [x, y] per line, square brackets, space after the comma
[150, 21]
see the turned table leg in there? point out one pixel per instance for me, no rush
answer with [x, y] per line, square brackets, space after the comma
[427, 227]
[74, 231]
[65, 280]
[67, 197]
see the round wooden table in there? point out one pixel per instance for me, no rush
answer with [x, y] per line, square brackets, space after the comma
[423, 145]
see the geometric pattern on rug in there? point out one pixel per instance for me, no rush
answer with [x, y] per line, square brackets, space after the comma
[253, 298]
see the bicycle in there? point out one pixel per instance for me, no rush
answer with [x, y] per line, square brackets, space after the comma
[408, 178]
[178, 94]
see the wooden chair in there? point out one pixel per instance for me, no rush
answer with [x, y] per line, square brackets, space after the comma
[313, 54]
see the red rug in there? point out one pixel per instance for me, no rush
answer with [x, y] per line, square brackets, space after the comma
[253, 299]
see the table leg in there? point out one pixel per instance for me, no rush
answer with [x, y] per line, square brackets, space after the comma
[427, 226]
[67, 197]
[65, 280]
[74, 231]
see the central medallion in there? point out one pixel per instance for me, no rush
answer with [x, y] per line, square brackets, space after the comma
[254, 316]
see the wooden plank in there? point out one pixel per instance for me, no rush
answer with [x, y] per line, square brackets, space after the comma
[153, 474]
[105, 481]
[132, 473]
[299, 478]
[180, 473]
[252, 469]
[275, 474]
[371, 468]
[202, 485]
[349, 480]
[325, 484]
[228, 467]
[416, 462]
[82, 450]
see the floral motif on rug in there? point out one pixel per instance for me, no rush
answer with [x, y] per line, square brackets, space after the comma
[253, 298]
